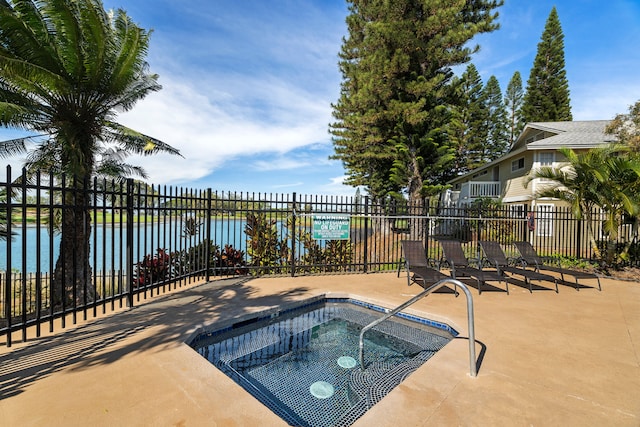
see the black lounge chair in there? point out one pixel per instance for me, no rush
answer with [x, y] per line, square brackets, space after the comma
[418, 266]
[495, 255]
[531, 258]
[460, 267]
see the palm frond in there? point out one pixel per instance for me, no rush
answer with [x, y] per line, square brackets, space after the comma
[137, 142]
[118, 171]
[16, 146]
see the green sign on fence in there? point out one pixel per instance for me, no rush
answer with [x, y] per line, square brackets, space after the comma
[331, 227]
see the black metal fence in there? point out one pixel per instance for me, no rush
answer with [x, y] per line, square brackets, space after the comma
[146, 240]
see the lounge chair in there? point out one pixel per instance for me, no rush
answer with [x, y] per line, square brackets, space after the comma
[417, 265]
[460, 267]
[531, 258]
[495, 255]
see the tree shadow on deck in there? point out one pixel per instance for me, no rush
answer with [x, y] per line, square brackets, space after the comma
[171, 317]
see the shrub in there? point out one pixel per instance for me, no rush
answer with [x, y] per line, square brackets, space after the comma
[194, 258]
[336, 255]
[267, 251]
[231, 260]
[154, 268]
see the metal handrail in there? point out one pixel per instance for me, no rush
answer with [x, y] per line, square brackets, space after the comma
[432, 288]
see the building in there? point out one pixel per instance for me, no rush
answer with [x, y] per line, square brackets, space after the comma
[504, 178]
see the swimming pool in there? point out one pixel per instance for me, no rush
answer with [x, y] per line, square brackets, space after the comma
[301, 361]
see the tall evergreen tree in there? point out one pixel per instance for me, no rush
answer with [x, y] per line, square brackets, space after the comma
[389, 128]
[468, 126]
[547, 97]
[513, 99]
[497, 140]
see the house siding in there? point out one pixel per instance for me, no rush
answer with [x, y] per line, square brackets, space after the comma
[513, 189]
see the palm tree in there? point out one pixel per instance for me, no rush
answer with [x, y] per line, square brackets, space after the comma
[619, 198]
[600, 177]
[67, 67]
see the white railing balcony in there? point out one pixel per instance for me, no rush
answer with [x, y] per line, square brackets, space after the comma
[476, 189]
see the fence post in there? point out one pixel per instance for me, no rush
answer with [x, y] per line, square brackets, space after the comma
[426, 207]
[207, 247]
[578, 252]
[129, 224]
[525, 225]
[7, 277]
[23, 276]
[293, 236]
[366, 233]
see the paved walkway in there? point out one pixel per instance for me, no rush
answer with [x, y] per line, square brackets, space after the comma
[545, 359]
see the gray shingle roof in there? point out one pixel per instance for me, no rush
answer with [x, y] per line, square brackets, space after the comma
[575, 135]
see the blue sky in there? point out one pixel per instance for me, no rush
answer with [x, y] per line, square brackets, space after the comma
[248, 85]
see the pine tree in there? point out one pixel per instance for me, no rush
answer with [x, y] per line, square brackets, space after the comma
[513, 100]
[467, 129]
[389, 129]
[497, 140]
[547, 97]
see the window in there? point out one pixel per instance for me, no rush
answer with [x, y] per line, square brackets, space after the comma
[546, 158]
[517, 164]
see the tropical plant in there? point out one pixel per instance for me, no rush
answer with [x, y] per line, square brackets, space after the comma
[267, 251]
[67, 67]
[231, 260]
[154, 268]
[194, 259]
[335, 256]
[626, 129]
[191, 227]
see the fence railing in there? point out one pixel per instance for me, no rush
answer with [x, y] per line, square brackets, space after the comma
[143, 240]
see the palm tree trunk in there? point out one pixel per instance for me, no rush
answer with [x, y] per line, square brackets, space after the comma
[72, 282]
[592, 239]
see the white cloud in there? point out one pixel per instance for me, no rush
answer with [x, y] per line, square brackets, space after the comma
[336, 186]
[290, 185]
[603, 101]
[278, 164]
[212, 121]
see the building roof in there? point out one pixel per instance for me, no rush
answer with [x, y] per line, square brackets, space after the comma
[574, 135]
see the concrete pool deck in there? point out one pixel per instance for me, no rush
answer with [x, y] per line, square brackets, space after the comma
[545, 359]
